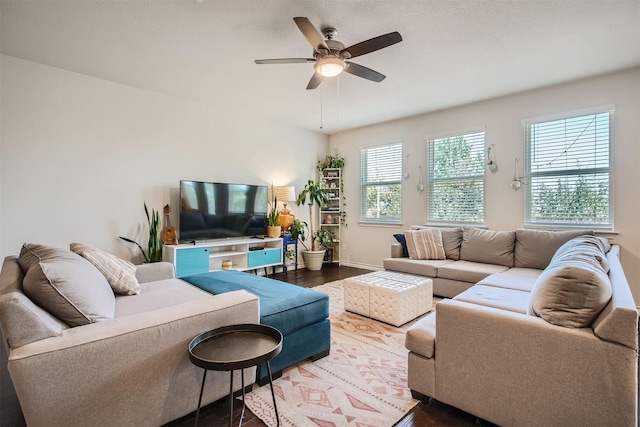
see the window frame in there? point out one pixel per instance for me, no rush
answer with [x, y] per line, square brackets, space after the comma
[430, 180]
[527, 124]
[367, 183]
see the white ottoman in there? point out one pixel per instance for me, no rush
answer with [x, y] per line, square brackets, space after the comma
[390, 297]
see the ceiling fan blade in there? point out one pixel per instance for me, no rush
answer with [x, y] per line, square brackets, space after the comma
[311, 33]
[374, 44]
[364, 72]
[315, 81]
[285, 61]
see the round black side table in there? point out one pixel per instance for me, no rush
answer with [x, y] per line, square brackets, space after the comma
[235, 347]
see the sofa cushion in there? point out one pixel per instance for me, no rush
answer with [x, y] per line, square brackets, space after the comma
[488, 246]
[158, 295]
[66, 285]
[574, 288]
[120, 274]
[467, 271]
[425, 244]
[421, 336]
[403, 242]
[520, 279]
[420, 267]
[451, 240]
[535, 248]
[491, 296]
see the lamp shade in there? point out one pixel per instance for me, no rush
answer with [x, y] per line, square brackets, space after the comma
[285, 194]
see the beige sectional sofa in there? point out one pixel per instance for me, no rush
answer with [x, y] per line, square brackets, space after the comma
[548, 338]
[125, 363]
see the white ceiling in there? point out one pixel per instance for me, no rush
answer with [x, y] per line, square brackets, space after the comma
[452, 53]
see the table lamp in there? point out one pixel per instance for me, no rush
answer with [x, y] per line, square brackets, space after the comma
[284, 194]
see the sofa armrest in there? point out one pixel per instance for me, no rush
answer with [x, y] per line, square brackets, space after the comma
[89, 374]
[155, 271]
[396, 250]
[508, 366]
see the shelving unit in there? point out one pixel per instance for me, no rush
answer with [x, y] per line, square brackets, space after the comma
[244, 254]
[330, 215]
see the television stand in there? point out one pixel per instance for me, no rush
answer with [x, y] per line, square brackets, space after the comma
[244, 254]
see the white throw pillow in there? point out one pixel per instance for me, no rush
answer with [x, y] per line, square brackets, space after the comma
[120, 274]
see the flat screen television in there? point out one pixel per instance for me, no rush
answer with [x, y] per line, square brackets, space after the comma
[215, 210]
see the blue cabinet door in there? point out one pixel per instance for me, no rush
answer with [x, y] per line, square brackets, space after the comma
[192, 261]
[264, 257]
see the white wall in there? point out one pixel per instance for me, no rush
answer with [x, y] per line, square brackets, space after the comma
[80, 155]
[501, 118]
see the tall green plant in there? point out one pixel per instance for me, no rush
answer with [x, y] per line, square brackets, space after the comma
[154, 247]
[316, 194]
[274, 212]
[155, 238]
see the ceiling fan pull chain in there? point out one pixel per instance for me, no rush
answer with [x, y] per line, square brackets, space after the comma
[321, 108]
[338, 105]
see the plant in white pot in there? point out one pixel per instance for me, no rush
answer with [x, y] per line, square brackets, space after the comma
[273, 225]
[313, 193]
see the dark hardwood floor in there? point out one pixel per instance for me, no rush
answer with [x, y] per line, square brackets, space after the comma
[427, 414]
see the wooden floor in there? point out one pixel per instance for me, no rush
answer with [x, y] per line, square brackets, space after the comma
[424, 414]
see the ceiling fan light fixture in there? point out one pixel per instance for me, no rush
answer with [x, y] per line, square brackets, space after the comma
[330, 67]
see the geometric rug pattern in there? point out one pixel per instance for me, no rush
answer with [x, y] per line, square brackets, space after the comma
[362, 382]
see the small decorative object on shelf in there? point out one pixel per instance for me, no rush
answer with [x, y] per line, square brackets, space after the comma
[227, 264]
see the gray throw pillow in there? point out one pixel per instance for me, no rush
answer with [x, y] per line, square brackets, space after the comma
[574, 288]
[488, 246]
[535, 248]
[66, 285]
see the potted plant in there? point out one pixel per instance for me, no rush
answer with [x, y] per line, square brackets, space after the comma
[154, 247]
[273, 225]
[313, 193]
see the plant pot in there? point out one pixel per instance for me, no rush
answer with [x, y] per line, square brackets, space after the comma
[274, 231]
[313, 259]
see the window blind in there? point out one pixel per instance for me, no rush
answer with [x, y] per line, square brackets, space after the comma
[568, 166]
[380, 183]
[455, 179]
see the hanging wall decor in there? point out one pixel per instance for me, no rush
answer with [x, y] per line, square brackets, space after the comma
[491, 163]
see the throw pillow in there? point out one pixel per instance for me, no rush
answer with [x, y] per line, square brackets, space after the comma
[451, 240]
[120, 274]
[403, 241]
[574, 288]
[66, 285]
[425, 244]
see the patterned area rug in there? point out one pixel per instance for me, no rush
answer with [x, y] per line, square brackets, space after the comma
[363, 381]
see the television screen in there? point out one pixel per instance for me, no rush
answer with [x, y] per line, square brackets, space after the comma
[214, 210]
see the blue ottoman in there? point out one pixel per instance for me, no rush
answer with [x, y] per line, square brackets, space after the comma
[300, 314]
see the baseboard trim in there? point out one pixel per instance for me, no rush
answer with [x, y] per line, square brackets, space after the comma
[361, 265]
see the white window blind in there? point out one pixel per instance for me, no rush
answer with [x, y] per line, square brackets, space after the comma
[380, 183]
[568, 169]
[455, 179]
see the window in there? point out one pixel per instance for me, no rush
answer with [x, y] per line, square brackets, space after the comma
[455, 179]
[568, 169]
[380, 183]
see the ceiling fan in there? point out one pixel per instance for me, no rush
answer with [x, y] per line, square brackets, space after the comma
[330, 56]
